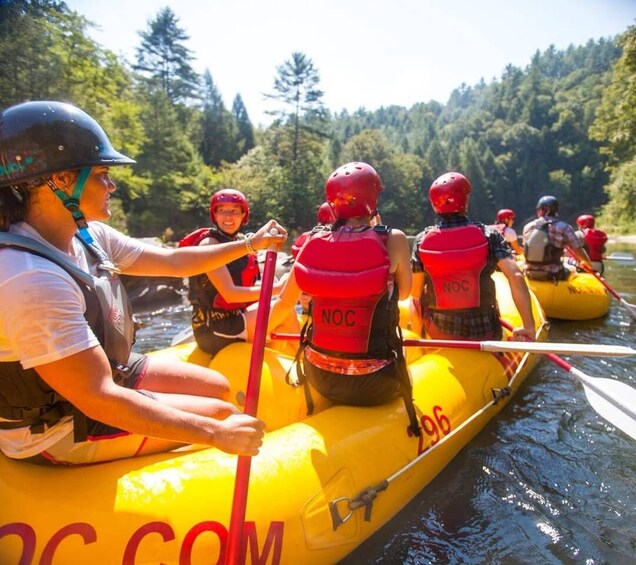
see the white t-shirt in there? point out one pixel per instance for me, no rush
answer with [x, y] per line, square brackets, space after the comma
[42, 315]
[510, 234]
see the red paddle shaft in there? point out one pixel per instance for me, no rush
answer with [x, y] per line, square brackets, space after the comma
[602, 281]
[235, 546]
[631, 308]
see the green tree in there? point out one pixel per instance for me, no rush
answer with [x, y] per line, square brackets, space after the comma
[163, 59]
[219, 131]
[177, 179]
[296, 86]
[402, 202]
[245, 135]
[615, 123]
[436, 158]
[53, 58]
[28, 72]
[297, 139]
[618, 214]
[47, 54]
[261, 179]
[482, 206]
[494, 183]
[615, 128]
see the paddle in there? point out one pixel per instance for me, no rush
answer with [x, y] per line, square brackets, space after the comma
[620, 257]
[613, 400]
[631, 308]
[235, 545]
[591, 350]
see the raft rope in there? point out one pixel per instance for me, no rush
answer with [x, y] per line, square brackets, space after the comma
[367, 496]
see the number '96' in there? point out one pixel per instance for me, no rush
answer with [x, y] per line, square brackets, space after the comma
[435, 427]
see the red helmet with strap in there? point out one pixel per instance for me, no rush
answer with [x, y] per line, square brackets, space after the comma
[325, 214]
[353, 190]
[505, 214]
[586, 221]
[449, 194]
[229, 196]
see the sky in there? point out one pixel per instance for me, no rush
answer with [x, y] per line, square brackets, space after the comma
[369, 53]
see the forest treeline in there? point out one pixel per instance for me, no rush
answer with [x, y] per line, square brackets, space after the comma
[564, 125]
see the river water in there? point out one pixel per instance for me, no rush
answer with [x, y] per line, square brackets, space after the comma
[547, 481]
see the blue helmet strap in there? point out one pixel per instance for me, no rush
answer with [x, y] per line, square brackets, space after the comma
[71, 203]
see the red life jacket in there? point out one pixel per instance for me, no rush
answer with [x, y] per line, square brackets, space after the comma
[297, 245]
[347, 275]
[244, 272]
[304, 237]
[454, 259]
[194, 238]
[595, 242]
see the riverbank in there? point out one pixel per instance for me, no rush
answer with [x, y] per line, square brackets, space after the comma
[623, 239]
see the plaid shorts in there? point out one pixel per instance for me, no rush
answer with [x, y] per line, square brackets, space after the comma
[467, 325]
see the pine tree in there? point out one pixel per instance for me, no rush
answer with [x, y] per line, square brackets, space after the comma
[164, 61]
[245, 137]
[296, 86]
[218, 127]
[298, 140]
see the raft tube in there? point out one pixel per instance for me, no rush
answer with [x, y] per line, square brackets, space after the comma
[320, 486]
[581, 297]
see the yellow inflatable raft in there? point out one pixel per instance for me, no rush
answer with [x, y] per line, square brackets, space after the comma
[320, 486]
[581, 297]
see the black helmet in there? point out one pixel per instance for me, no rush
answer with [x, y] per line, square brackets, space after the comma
[548, 205]
[44, 137]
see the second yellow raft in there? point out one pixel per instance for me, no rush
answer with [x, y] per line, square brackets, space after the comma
[581, 297]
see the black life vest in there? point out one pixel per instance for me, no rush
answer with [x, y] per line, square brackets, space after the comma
[203, 295]
[24, 397]
[499, 227]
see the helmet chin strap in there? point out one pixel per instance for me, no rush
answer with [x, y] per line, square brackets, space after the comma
[71, 203]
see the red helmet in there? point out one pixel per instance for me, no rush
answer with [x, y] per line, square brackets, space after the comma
[353, 190]
[449, 194]
[586, 221]
[325, 214]
[229, 196]
[505, 214]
